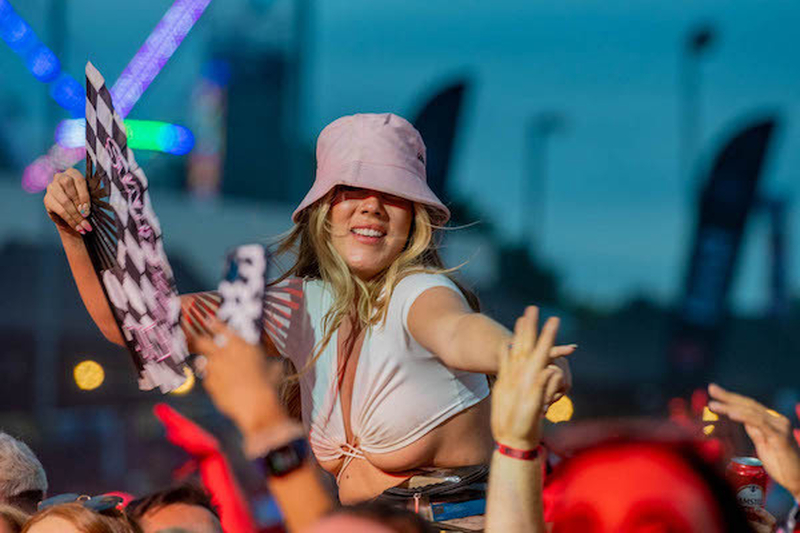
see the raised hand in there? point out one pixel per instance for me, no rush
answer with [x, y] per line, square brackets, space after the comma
[67, 202]
[770, 432]
[526, 384]
[240, 378]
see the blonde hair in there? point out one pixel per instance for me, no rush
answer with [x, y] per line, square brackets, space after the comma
[14, 518]
[317, 258]
[86, 520]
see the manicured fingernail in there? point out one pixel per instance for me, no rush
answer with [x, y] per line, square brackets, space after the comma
[80, 229]
[85, 210]
[85, 225]
[574, 345]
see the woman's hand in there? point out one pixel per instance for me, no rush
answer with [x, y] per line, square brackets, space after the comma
[770, 432]
[241, 379]
[527, 383]
[68, 203]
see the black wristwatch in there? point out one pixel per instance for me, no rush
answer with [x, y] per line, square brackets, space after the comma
[286, 459]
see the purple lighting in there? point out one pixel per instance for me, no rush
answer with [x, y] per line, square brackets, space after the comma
[38, 174]
[155, 52]
[134, 80]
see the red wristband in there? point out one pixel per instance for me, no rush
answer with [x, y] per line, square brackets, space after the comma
[525, 455]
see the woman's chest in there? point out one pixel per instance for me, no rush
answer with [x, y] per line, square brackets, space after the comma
[349, 344]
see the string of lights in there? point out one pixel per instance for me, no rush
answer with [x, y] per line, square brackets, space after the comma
[40, 60]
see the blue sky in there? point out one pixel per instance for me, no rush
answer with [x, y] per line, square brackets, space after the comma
[617, 220]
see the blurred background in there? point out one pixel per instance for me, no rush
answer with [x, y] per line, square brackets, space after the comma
[631, 167]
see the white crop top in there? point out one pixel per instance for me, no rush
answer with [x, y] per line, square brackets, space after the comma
[401, 390]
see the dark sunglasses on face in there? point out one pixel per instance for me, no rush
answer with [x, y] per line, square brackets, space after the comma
[98, 504]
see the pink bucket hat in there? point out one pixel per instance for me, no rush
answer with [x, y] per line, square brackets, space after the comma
[379, 152]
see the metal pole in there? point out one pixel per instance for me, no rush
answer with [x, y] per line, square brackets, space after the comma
[697, 42]
[689, 122]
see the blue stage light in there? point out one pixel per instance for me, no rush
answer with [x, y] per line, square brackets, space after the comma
[40, 60]
[69, 94]
[16, 32]
[176, 140]
[43, 64]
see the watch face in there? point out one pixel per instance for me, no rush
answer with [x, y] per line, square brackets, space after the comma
[286, 458]
[283, 459]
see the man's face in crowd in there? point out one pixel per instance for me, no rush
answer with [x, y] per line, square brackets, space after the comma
[189, 518]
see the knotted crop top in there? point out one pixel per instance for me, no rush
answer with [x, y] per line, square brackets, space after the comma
[401, 390]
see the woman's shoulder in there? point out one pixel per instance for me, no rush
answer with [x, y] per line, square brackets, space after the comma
[425, 280]
[413, 285]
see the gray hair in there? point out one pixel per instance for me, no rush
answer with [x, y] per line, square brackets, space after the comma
[20, 470]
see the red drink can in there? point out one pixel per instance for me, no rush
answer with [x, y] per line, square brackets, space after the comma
[749, 480]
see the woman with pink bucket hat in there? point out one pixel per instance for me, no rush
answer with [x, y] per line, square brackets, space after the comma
[390, 353]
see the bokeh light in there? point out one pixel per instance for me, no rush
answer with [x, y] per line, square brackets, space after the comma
[37, 175]
[142, 135]
[69, 94]
[43, 64]
[561, 411]
[88, 375]
[709, 415]
[187, 385]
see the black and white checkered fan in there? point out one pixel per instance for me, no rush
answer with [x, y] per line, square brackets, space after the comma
[242, 291]
[126, 246]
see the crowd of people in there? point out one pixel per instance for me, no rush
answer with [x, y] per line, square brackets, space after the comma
[378, 370]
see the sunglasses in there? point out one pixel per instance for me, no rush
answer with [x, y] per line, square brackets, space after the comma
[98, 504]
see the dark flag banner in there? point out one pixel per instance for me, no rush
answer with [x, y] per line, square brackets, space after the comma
[437, 122]
[725, 203]
[126, 246]
[243, 290]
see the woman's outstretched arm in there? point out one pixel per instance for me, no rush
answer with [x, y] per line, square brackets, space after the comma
[68, 204]
[442, 322]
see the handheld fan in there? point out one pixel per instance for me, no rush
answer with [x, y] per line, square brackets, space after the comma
[126, 246]
[242, 291]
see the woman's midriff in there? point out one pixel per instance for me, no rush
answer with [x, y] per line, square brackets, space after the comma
[465, 439]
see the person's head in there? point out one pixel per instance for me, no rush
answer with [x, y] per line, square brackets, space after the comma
[23, 482]
[183, 508]
[12, 519]
[370, 218]
[372, 517]
[370, 200]
[632, 487]
[76, 518]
